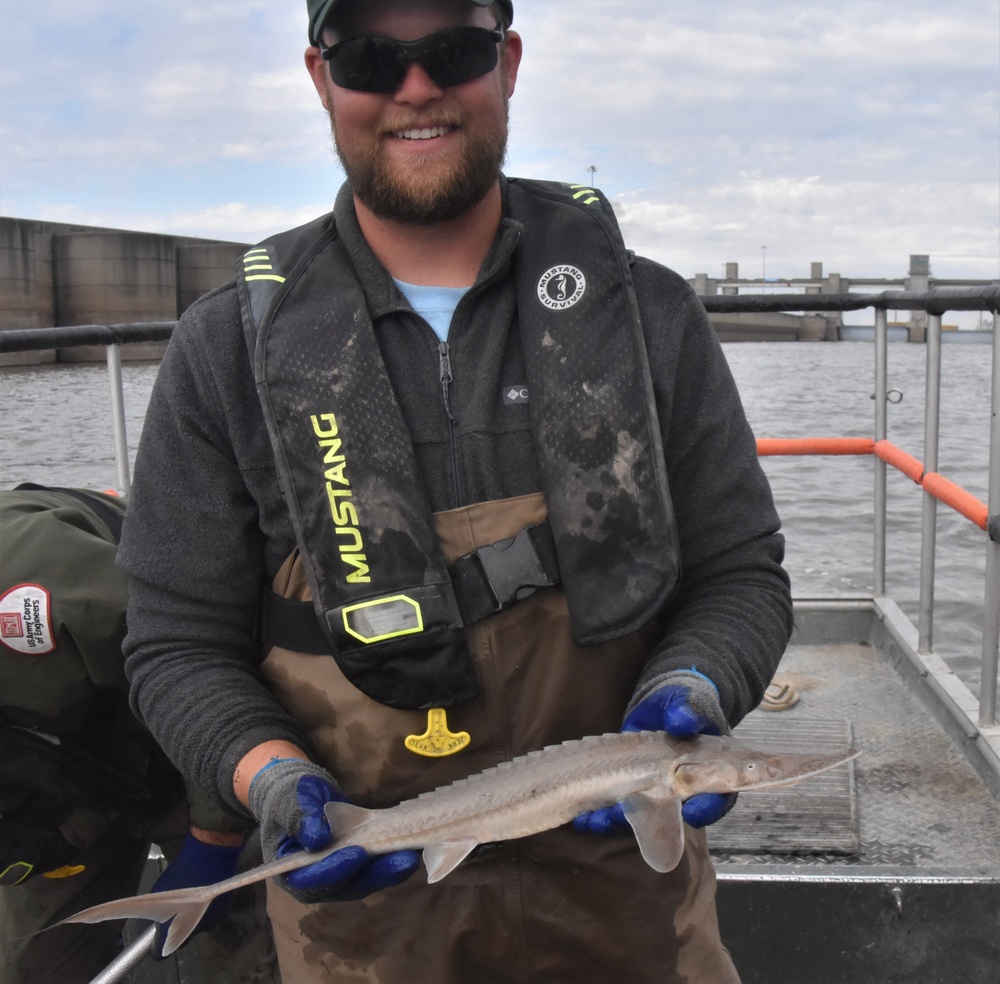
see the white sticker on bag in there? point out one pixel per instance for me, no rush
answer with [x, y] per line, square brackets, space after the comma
[26, 620]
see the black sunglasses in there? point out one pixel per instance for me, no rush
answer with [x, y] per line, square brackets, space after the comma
[378, 64]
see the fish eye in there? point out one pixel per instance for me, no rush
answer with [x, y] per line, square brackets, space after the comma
[751, 766]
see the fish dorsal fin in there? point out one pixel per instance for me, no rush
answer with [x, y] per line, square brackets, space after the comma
[655, 816]
[442, 859]
[344, 818]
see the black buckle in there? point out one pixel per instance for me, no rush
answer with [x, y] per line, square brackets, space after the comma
[507, 571]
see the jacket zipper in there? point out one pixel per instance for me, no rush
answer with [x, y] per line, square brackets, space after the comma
[444, 364]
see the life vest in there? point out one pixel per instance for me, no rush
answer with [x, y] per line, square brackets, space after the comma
[389, 608]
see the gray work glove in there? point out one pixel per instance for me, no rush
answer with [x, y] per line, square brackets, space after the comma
[684, 703]
[288, 797]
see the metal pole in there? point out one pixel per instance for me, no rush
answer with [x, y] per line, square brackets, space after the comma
[118, 418]
[991, 606]
[128, 958]
[928, 540]
[881, 432]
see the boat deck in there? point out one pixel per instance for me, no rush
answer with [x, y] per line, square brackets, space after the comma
[917, 800]
[896, 872]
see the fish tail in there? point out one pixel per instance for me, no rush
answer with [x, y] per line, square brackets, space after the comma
[183, 925]
[182, 908]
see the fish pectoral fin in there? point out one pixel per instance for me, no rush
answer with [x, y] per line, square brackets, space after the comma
[442, 859]
[655, 816]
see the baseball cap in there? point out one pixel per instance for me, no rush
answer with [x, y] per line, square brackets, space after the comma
[319, 13]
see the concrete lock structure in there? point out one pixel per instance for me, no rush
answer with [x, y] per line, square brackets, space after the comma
[19, 294]
[54, 274]
[829, 326]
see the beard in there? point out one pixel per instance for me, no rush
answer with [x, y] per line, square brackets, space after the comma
[431, 189]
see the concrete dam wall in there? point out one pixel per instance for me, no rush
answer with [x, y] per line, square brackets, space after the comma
[54, 274]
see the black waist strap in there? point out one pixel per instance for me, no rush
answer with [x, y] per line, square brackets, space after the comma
[486, 581]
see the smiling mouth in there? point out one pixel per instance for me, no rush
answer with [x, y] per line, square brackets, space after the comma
[424, 133]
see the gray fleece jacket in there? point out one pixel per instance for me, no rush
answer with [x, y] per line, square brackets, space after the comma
[207, 528]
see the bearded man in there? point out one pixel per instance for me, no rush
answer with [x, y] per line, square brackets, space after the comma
[443, 477]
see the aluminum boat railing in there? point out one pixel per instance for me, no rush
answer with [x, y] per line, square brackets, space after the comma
[112, 337]
[934, 302]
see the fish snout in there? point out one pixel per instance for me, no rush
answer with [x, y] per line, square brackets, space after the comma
[787, 768]
[732, 769]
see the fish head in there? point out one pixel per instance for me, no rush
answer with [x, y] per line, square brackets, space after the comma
[722, 765]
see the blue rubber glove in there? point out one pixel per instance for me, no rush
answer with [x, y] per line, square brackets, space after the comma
[288, 796]
[685, 704]
[198, 864]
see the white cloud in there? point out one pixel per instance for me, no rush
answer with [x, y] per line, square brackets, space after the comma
[242, 222]
[854, 134]
[231, 221]
[857, 229]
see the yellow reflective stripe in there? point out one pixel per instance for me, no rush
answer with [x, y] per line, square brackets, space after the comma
[414, 607]
[16, 872]
[585, 190]
[260, 259]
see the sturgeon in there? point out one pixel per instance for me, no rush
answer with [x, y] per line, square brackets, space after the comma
[648, 772]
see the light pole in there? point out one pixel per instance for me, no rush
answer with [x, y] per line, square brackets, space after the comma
[592, 171]
[763, 269]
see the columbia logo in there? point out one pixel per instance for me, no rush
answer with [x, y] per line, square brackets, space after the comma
[517, 393]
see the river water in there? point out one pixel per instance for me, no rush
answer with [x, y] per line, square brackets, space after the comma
[56, 430]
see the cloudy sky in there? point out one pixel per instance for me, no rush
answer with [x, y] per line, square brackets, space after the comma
[772, 133]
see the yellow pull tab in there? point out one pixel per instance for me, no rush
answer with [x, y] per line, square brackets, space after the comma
[437, 741]
[66, 871]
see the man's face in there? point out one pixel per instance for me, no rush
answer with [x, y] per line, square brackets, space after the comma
[422, 154]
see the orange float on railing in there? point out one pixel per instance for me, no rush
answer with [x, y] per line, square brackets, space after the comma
[814, 445]
[900, 460]
[955, 496]
[933, 483]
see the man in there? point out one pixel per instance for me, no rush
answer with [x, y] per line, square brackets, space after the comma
[504, 462]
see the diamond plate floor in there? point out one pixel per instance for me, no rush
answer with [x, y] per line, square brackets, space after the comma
[918, 802]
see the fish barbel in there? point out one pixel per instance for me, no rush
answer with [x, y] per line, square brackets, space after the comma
[649, 772]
